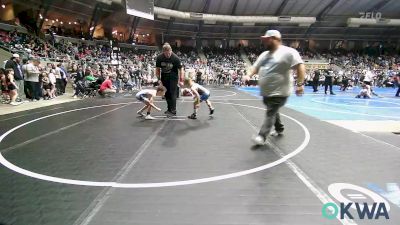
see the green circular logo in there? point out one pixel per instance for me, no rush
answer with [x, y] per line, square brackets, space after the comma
[330, 213]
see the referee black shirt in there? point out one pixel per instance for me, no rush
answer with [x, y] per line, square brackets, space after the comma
[169, 66]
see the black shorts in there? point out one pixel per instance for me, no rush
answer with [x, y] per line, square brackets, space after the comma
[11, 87]
[47, 86]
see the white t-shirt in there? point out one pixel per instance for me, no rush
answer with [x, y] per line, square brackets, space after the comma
[57, 73]
[274, 71]
[32, 73]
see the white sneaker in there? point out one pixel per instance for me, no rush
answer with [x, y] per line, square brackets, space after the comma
[258, 140]
[141, 114]
[75, 97]
[275, 133]
[15, 103]
[149, 117]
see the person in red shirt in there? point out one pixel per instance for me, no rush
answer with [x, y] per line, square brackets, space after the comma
[107, 87]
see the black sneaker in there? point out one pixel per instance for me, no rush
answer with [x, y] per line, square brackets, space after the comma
[193, 116]
[333, 93]
[170, 114]
[212, 111]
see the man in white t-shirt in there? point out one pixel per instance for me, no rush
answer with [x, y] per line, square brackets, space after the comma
[273, 67]
[32, 79]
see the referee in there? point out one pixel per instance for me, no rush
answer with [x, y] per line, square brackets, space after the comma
[170, 71]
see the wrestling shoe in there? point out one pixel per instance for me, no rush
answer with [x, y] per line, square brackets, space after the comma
[149, 117]
[258, 140]
[212, 111]
[140, 113]
[276, 133]
[193, 116]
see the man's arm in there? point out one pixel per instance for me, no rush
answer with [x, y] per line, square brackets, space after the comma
[158, 73]
[301, 71]
[255, 67]
[252, 71]
[181, 74]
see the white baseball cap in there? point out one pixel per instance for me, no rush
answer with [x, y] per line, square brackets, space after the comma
[272, 33]
[15, 56]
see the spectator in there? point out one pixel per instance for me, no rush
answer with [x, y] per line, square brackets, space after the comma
[32, 79]
[329, 74]
[59, 79]
[398, 85]
[10, 86]
[14, 64]
[198, 77]
[4, 87]
[64, 77]
[89, 75]
[316, 80]
[47, 87]
[52, 80]
[78, 79]
[25, 63]
[107, 87]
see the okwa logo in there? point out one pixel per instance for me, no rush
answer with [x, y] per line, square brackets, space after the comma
[366, 204]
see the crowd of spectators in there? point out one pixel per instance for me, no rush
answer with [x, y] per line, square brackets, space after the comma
[31, 81]
[353, 68]
[86, 65]
[26, 44]
[226, 66]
